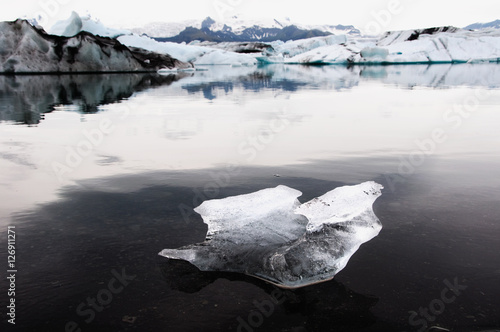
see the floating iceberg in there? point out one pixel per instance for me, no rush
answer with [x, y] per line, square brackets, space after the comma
[433, 45]
[198, 55]
[294, 47]
[268, 234]
[26, 49]
[441, 45]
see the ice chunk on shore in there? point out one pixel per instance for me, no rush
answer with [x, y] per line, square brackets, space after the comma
[268, 234]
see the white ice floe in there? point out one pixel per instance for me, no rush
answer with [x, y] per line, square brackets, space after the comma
[268, 234]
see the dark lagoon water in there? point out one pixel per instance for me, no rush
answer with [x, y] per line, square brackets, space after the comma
[101, 172]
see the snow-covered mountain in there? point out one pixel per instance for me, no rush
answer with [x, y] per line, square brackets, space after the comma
[239, 29]
[493, 24]
[235, 23]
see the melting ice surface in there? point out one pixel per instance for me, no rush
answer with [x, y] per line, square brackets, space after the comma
[269, 234]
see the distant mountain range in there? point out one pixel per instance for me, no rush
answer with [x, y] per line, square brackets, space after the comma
[239, 30]
[493, 24]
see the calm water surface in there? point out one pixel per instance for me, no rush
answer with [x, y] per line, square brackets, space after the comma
[101, 172]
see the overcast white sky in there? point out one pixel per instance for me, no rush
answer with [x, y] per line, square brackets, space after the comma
[364, 14]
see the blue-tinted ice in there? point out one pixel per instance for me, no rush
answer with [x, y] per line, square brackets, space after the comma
[269, 234]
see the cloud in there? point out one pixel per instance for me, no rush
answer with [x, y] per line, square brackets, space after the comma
[421, 13]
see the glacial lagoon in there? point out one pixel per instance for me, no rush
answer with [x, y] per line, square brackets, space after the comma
[102, 172]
